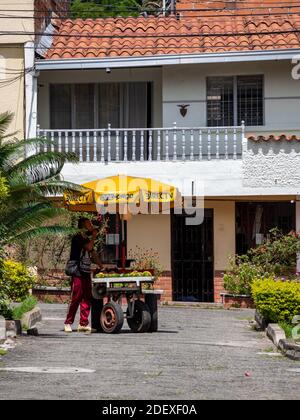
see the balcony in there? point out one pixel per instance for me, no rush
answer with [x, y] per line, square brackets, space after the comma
[172, 144]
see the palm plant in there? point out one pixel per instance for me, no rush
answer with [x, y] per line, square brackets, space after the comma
[32, 180]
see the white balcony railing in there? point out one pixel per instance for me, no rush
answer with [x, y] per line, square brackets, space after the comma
[148, 144]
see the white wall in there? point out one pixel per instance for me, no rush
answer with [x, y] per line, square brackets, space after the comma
[271, 164]
[186, 84]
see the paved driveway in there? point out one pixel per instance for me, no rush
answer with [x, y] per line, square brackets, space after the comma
[197, 354]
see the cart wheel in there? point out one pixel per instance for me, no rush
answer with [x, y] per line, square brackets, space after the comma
[98, 291]
[112, 318]
[141, 320]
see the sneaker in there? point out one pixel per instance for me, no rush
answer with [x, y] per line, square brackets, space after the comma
[86, 329]
[68, 328]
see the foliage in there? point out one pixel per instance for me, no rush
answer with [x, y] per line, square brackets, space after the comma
[240, 275]
[3, 189]
[104, 8]
[30, 180]
[27, 305]
[276, 300]
[52, 255]
[146, 259]
[278, 254]
[16, 279]
[275, 258]
[5, 307]
[287, 328]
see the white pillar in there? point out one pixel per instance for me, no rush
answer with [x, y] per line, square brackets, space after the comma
[298, 228]
[30, 91]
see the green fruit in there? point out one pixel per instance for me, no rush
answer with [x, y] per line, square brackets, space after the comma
[147, 274]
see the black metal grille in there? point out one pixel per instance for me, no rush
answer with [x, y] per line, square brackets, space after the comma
[231, 100]
[192, 259]
[250, 100]
[220, 101]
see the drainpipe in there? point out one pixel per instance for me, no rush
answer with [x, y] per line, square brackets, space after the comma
[31, 87]
[298, 227]
[173, 7]
[164, 7]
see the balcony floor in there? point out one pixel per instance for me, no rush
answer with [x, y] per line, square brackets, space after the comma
[215, 178]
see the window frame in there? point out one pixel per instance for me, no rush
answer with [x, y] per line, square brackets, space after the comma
[96, 97]
[235, 97]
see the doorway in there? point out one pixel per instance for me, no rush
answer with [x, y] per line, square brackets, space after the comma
[192, 259]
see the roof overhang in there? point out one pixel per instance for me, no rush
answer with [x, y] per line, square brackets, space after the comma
[166, 60]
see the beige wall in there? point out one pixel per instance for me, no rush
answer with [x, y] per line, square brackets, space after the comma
[24, 11]
[224, 231]
[19, 19]
[12, 92]
[151, 231]
[154, 231]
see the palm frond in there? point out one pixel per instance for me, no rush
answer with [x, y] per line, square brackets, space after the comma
[42, 231]
[41, 166]
[33, 217]
[5, 120]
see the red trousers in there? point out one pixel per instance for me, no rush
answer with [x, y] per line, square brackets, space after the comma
[81, 295]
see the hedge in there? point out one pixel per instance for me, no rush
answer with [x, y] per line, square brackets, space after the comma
[277, 300]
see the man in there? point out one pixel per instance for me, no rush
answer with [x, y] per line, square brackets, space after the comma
[81, 248]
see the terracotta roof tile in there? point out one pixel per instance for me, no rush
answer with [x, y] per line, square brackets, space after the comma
[151, 36]
[272, 137]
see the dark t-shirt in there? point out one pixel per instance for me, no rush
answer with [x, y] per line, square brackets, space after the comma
[77, 244]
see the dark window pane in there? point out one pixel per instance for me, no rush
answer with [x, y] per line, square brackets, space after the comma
[60, 106]
[84, 106]
[255, 220]
[109, 105]
[220, 108]
[250, 100]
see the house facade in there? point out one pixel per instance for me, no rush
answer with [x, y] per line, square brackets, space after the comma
[19, 24]
[206, 99]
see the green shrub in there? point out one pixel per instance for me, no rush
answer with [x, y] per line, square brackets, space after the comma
[278, 301]
[240, 275]
[5, 308]
[27, 305]
[17, 280]
[275, 258]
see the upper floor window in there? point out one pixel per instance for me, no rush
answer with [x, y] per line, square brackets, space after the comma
[92, 105]
[231, 100]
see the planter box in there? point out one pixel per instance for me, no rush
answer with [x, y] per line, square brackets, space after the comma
[52, 294]
[237, 301]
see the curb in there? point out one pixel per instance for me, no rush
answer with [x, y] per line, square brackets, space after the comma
[194, 305]
[2, 330]
[275, 333]
[261, 321]
[13, 328]
[31, 318]
[290, 349]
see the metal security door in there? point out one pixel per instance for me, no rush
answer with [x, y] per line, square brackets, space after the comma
[192, 259]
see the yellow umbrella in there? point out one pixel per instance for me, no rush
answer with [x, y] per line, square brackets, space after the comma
[120, 190]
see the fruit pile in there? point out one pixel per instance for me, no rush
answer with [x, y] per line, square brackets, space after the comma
[131, 274]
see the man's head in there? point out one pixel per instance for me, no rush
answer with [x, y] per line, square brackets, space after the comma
[85, 223]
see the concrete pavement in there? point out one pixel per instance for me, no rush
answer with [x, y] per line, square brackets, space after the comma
[197, 354]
